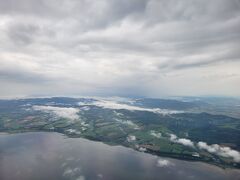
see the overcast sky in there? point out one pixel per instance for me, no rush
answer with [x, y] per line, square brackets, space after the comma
[151, 48]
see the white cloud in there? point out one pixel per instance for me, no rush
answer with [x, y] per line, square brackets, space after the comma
[128, 123]
[68, 172]
[221, 151]
[131, 138]
[63, 112]
[214, 148]
[183, 141]
[173, 137]
[142, 149]
[164, 163]
[139, 148]
[73, 131]
[108, 104]
[155, 134]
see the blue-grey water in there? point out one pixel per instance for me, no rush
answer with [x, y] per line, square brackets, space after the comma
[42, 156]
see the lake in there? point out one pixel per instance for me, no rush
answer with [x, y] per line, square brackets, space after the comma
[41, 156]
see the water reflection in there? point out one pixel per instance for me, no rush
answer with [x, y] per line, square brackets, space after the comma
[54, 156]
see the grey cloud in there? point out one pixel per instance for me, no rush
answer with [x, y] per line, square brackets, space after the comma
[173, 10]
[30, 7]
[14, 71]
[129, 46]
[21, 76]
[114, 11]
[89, 15]
[222, 58]
[22, 34]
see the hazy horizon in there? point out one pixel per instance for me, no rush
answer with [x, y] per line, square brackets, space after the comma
[180, 98]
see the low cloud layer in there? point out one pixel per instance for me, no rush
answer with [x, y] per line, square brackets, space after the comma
[109, 104]
[213, 149]
[69, 113]
[131, 138]
[156, 134]
[110, 47]
[183, 141]
[73, 131]
[128, 123]
[221, 151]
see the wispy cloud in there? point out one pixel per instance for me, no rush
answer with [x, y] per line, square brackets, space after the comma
[73, 173]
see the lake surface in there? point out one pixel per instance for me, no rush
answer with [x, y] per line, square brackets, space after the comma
[41, 156]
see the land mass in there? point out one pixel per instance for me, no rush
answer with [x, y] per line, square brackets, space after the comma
[191, 130]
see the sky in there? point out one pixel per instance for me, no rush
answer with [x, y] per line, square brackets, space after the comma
[151, 48]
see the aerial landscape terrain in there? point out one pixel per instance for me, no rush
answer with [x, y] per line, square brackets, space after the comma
[180, 129]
